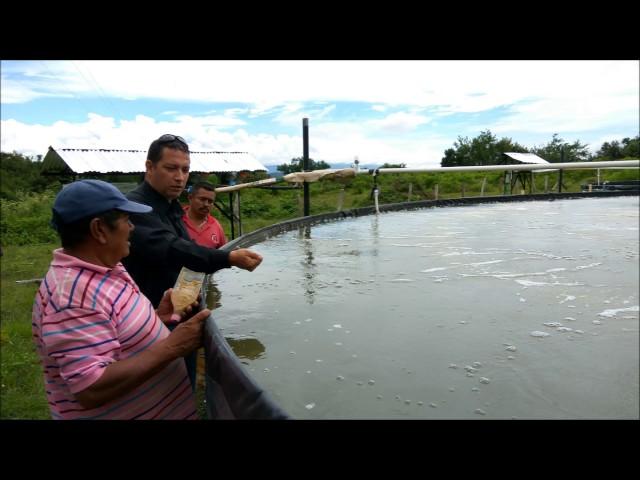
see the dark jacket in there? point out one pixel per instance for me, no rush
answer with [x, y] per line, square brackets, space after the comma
[160, 246]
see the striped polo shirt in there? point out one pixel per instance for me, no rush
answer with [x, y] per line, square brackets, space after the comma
[86, 317]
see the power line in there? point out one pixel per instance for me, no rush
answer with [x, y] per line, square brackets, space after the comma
[101, 93]
[74, 96]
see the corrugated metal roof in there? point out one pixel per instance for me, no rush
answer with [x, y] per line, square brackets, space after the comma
[133, 161]
[525, 157]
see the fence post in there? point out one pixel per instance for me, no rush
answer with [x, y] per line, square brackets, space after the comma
[236, 210]
[410, 189]
[233, 217]
[560, 181]
[435, 191]
[546, 183]
[463, 190]
[484, 184]
[340, 199]
[532, 183]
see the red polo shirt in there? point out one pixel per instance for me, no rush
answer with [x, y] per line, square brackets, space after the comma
[208, 235]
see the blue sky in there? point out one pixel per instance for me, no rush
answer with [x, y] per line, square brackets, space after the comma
[380, 111]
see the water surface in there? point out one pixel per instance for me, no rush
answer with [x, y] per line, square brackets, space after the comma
[526, 310]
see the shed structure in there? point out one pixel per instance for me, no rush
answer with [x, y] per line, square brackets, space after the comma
[78, 161]
[511, 177]
[103, 161]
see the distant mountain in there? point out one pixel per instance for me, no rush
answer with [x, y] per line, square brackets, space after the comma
[273, 171]
[363, 166]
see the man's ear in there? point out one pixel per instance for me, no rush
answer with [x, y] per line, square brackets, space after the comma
[148, 164]
[96, 229]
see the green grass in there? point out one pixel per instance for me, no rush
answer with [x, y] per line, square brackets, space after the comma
[22, 384]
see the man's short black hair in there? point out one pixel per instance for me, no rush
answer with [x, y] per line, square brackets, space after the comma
[73, 234]
[155, 149]
[206, 185]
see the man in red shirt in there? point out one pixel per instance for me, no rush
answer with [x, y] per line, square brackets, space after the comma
[202, 227]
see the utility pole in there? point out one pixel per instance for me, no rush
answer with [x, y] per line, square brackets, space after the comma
[305, 162]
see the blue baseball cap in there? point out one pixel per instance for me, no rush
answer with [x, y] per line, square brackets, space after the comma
[88, 198]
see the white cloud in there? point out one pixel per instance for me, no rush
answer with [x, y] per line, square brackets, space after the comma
[292, 113]
[25, 81]
[399, 122]
[220, 121]
[325, 111]
[232, 112]
[541, 97]
[571, 114]
[271, 83]
[343, 141]
[332, 142]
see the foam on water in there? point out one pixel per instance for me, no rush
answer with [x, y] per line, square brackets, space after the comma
[435, 269]
[613, 312]
[531, 283]
[537, 333]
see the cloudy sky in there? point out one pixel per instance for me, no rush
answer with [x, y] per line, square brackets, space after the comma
[380, 111]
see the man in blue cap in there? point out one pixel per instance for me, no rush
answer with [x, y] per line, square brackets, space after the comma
[106, 353]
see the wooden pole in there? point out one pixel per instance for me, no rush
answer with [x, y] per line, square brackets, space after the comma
[560, 181]
[340, 199]
[236, 210]
[532, 184]
[233, 217]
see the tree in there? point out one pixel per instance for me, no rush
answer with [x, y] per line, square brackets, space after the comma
[553, 151]
[296, 165]
[485, 149]
[450, 159]
[459, 155]
[610, 151]
[21, 173]
[631, 147]
[615, 150]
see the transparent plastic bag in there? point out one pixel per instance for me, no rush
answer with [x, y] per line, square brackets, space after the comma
[186, 289]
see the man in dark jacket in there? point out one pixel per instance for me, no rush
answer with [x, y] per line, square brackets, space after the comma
[160, 244]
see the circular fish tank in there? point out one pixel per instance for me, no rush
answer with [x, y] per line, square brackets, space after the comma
[524, 310]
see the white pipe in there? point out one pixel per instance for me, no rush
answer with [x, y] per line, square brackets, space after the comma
[520, 167]
[239, 186]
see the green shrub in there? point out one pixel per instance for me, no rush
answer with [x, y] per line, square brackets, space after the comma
[25, 221]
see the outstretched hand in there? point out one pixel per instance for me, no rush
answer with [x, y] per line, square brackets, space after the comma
[245, 259]
[167, 314]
